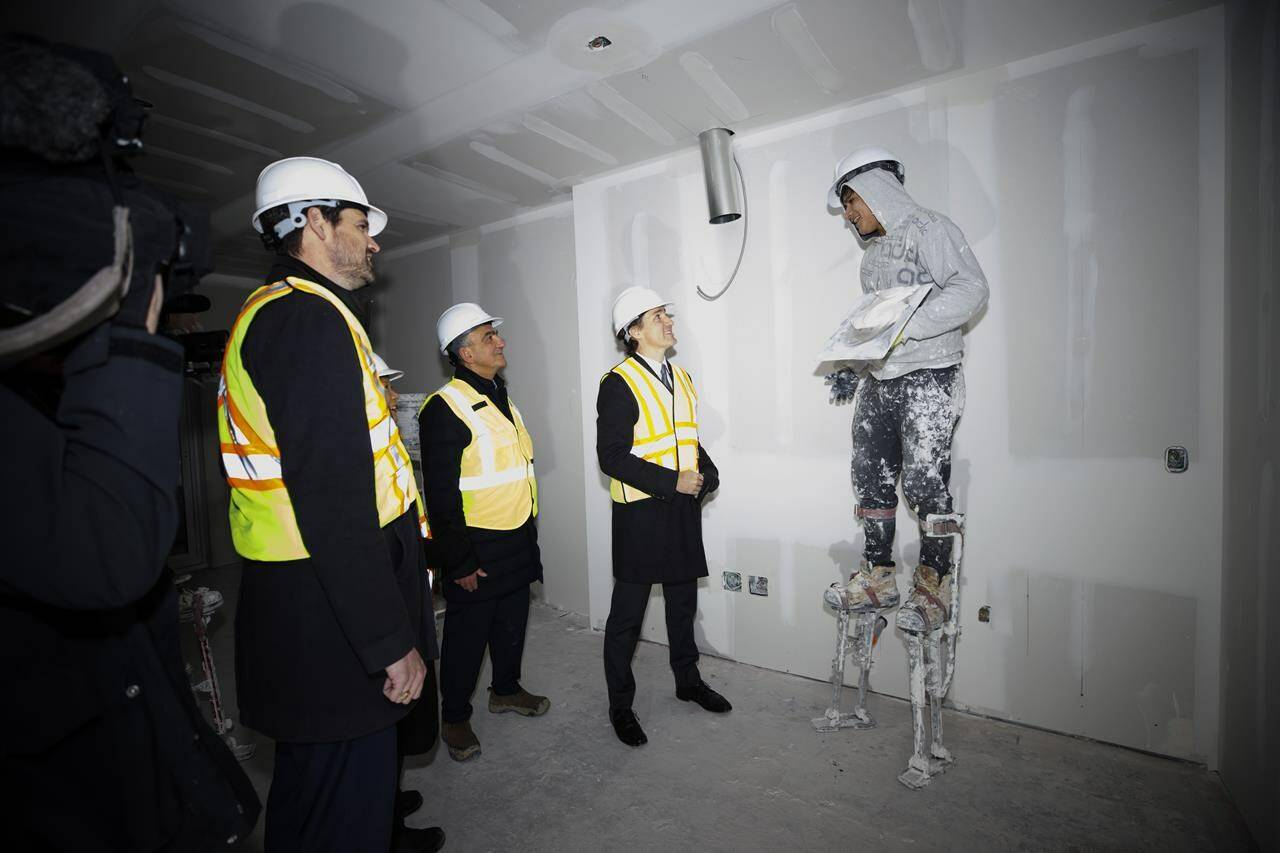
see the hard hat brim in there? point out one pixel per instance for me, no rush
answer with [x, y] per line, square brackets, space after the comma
[833, 195]
[391, 375]
[377, 220]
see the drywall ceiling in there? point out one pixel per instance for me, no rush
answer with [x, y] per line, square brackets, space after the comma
[455, 113]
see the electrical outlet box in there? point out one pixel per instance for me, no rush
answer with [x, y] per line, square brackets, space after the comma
[757, 585]
[733, 581]
[1176, 459]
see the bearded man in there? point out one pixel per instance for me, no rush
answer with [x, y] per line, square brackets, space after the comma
[333, 612]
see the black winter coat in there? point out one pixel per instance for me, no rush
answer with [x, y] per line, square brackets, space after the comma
[314, 636]
[102, 746]
[658, 540]
[510, 558]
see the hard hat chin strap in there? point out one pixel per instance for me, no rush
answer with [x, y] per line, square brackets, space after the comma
[297, 214]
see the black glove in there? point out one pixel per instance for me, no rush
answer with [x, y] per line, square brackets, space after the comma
[844, 384]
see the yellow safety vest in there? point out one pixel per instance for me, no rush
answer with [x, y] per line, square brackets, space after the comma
[666, 432]
[499, 490]
[263, 524]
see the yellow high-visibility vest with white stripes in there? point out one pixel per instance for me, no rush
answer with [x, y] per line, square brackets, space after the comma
[666, 431]
[499, 490]
[263, 524]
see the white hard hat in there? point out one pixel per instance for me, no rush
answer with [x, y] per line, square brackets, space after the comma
[633, 302]
[308, 179]
[862, 160]
[388, 373]
[460, 319]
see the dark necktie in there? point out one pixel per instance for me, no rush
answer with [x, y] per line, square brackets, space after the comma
[666, 376]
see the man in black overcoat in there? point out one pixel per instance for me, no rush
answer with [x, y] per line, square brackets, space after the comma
[328, 657]
[646, 441]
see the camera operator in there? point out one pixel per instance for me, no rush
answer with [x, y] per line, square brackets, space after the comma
[102, 746]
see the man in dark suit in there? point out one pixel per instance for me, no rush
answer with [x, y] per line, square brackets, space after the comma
[477, 463]
[324, 511]
[647, 442]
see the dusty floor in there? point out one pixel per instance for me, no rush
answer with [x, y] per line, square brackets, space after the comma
[759, 778]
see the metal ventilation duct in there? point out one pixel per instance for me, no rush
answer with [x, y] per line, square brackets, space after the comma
[724, 202]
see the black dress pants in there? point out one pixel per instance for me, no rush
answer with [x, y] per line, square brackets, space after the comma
[498, 623]
[622, 632]
[337, 796]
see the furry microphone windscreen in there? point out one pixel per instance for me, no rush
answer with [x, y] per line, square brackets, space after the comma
[50, 105]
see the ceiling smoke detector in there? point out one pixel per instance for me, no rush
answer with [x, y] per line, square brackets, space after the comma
[598, 44]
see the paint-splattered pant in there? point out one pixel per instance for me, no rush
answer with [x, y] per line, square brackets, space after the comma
[903, 427]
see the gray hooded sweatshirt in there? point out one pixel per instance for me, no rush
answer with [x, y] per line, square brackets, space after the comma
[920, 246]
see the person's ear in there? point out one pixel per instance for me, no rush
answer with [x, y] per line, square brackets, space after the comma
[317, 224]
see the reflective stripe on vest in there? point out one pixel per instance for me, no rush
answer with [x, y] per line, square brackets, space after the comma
[495, 475]
[263, 524]
[666, 429]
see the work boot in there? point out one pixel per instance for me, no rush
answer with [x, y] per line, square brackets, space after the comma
[462, 742]
[929, 604]
[522, 702]
[870, 588]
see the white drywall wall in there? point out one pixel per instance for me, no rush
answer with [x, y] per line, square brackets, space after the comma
[522, 270]
[1089, 182]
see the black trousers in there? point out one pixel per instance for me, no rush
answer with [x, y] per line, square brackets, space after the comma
[622, 632]
[497, 623]
[337, 796]
[903, 428]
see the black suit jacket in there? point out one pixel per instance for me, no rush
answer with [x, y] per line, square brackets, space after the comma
[314, 636]
[510, 558]
[658, 540]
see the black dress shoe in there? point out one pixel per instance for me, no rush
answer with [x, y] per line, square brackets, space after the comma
[407, 802]
[704, 696]
[409, 840]
[627, 727]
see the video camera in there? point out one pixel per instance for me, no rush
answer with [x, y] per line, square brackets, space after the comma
[82, 237]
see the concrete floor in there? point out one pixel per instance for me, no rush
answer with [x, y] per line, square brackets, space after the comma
[759, 778]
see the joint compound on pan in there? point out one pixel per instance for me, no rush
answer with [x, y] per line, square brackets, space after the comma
[886, 310]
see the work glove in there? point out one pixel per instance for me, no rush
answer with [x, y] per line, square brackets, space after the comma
[844, 383]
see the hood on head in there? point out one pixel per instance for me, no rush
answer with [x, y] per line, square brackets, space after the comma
[887, 198]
